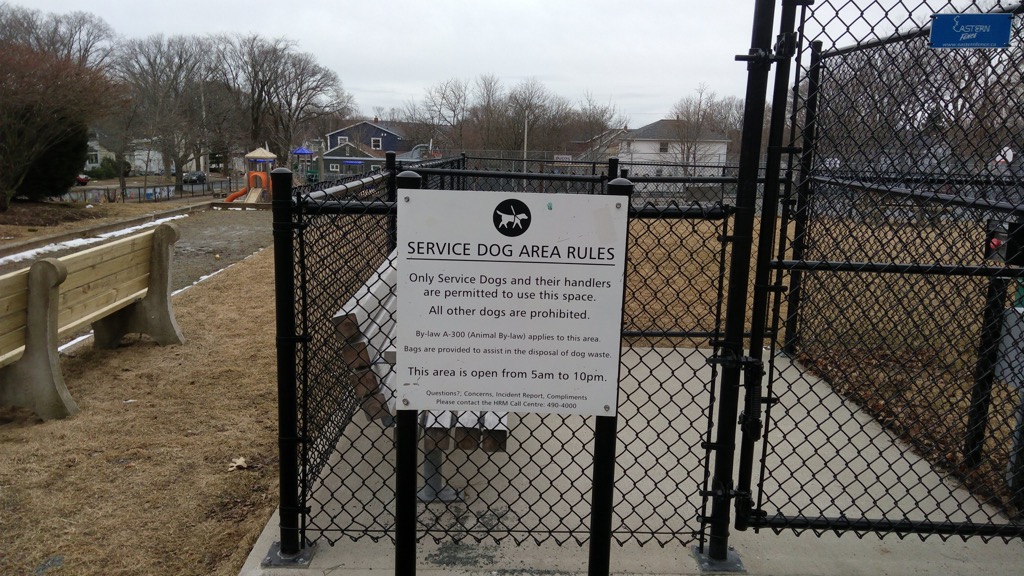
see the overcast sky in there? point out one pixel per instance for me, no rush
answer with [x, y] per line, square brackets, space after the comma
[642, 55]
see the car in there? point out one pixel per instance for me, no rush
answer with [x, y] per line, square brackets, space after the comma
[194, 178]
[81, 180]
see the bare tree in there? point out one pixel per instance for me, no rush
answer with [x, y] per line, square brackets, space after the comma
[250, 65]
[446, 105]
[303, 91]
[693, 124]
[487, 106]
[167, 76]
[77, 37]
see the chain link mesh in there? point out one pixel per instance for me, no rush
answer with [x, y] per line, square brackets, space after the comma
[895, 316]
[533, 480]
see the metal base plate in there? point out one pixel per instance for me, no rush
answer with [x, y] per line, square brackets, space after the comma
[731, 565]
[274, 559]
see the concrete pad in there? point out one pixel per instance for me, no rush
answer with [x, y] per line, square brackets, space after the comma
[646, 487]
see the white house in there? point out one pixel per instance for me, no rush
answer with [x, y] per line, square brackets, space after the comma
[669, 142]
[96, 154]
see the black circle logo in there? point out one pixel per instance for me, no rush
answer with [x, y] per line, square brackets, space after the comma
[512, 218]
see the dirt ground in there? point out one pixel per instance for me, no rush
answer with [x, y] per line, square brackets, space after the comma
[147, 478]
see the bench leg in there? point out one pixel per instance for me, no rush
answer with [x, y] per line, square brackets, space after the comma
[434, 488]
[35, 381]
[153, 315]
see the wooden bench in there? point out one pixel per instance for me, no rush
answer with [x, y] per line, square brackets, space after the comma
[119, 288]
[365, 327]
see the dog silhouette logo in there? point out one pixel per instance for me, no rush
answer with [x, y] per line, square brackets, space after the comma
[512, 218]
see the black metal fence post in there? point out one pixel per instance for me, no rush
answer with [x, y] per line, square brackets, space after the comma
[750, 418]
[613, 170]
[405, 450]
[803, 198]
[605, 430]
[392, 173]
[287, 393]
[984, 374]
[722, 492]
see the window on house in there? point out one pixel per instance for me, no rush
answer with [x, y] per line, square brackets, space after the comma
[375, 143]
[663, 147]
[93, 158]
[333, 167]
[342, 139]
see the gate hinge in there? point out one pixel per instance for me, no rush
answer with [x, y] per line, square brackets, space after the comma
[751, 427]
[745, 511]
[785, 46]
[756, 58]
[753, 366]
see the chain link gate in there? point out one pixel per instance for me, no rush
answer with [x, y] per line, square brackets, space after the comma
[892, 299]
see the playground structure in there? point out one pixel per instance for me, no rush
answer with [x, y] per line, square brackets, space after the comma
[258, 163]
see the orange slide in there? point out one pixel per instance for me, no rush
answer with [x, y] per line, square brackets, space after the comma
[256, 181]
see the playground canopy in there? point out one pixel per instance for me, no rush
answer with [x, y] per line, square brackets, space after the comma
[261, 154]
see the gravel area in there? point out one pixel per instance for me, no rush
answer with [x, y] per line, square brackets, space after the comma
[213, 239]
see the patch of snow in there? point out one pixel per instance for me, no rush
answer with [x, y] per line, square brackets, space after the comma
[78, 242]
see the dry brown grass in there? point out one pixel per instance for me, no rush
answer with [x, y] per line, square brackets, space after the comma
[138, 481]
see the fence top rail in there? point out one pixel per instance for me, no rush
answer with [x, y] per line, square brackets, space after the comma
[925, 178]
[906, 35]
[688, 179]
[647, 211]
[945, 199]
[596, 179]
[354, 186]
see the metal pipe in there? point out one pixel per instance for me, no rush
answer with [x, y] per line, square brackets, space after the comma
[605, 429]
[739, 275]
[984, 373]
[287, 395]
[803, 194]
[751, 415]
[406, 431]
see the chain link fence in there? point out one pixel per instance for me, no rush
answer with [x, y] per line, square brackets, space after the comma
[900, 329]
[520, 477]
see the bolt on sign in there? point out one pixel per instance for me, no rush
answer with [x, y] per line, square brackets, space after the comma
[509, 301]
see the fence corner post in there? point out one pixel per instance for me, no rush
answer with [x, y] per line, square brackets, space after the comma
[289, 551]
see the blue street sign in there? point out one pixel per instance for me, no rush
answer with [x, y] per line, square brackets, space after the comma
[971, 30]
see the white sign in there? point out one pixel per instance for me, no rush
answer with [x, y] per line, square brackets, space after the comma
[509, 301]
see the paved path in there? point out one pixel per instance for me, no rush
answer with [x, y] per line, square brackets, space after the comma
[764, 553]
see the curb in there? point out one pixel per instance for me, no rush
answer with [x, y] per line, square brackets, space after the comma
[102, 229]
